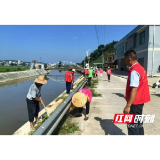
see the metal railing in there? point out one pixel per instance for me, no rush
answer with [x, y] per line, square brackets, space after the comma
[52, 122]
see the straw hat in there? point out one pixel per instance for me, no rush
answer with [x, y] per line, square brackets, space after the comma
[79, 99]
[40, 80]
[73, 70]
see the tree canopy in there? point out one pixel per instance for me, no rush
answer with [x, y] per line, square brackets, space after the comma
[105, 49]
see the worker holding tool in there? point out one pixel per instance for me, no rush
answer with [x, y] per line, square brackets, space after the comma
[69, 80]
[33, 99]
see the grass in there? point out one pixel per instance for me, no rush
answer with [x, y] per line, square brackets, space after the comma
[66, 126]
[44, 118]
[94, 83]
[95, 94]
[13, 68]
[63, 97]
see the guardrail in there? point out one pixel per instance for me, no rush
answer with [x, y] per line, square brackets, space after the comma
[51, 123]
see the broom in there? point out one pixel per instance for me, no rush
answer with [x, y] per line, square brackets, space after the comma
[45, 107]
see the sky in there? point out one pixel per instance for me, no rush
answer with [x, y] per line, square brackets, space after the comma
[54, 43]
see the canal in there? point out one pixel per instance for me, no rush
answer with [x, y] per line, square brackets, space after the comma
[13, 107]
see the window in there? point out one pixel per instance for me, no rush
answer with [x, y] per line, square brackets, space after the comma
[141, 61]
[142, 38]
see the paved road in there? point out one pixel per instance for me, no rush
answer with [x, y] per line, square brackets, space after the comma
[104, 108]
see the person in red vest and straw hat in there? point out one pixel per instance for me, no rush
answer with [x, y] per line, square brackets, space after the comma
[33, 99]
[69, 80]
[137, 91]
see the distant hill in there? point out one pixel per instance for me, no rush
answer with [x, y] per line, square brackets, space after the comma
[96, 55]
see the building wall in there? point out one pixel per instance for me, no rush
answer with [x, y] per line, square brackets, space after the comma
[142, 58]
[138, 48]
[144, 51]
[156, 61]
[133, 42]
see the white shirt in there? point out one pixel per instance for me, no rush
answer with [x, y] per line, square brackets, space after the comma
[134, 78]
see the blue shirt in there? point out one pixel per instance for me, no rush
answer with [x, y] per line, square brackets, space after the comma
[134, 78]
[34, 92]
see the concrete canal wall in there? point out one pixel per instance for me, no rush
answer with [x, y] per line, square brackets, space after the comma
[5, 77]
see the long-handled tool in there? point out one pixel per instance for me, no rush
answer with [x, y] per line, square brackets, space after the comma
[45, 107]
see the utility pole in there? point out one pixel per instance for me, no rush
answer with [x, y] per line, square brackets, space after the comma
[87, 56]
[102, 58]
[153, 50]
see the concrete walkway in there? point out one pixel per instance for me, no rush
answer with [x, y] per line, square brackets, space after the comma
[104, 108]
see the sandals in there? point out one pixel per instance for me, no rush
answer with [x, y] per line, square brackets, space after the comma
[86, 118]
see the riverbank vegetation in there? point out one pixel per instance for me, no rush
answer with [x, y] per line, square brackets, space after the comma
[13, 68]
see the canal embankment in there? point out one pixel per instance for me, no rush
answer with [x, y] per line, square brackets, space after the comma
[12, 76]
[51, 107]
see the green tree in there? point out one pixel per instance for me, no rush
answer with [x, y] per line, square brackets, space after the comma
[60, 64]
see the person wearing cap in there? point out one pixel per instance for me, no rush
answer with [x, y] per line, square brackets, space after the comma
[73, 71]
[83, 71]
[109, 73]
[33, 99]
[80, 99]
[69, 80]
[96, 72]
[86, 71]
[101, 71]
[90, 72]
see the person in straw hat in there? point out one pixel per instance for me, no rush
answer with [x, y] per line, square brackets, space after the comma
[33, 100]
[81, 98]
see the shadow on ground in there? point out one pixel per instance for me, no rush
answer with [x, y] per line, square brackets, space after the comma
[119, 94]
[158, 95]
[108, 126]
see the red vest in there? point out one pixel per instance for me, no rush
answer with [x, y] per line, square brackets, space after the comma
[143, 95]
[68, 77]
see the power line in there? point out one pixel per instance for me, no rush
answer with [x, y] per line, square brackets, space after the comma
[96, 34]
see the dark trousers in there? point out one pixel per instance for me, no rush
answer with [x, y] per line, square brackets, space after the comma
[108, 77]
[68, 87]
[89, 81]
[87, 108]
[33, 109]
[136, 128]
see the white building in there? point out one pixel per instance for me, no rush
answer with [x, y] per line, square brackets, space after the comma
[10, 62]
[19, 62]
